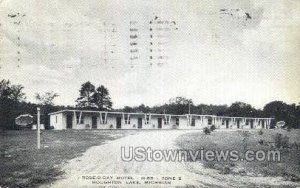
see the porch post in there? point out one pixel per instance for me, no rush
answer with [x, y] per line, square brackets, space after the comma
[80, 117]
[74, 119]
[100, 114]
[123, 117]
[105, 118]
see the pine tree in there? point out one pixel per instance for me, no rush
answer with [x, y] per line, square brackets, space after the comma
[102, 99]
[87, 91]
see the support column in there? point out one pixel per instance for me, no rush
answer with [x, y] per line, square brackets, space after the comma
[80, 117]
[100, 117]
[123, 117]
[74, 119]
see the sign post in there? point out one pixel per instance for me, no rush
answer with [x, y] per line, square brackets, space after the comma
[38, 129]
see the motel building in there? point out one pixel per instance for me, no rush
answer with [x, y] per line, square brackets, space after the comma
[85, 119]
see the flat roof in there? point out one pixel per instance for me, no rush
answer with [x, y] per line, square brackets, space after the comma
[137, 113]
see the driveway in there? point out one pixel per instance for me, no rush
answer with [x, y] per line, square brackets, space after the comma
[106, 159]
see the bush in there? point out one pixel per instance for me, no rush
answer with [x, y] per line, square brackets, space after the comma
[261, 142]
[206, 130]
[226, 170]
[212, 128]
[280, 141]
[246, 134]
[260, 132]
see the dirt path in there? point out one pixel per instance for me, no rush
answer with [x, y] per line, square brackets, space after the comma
[106, 159]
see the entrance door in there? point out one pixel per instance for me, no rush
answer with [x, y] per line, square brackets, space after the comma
[238, 123]
[94, 122]
[140, 123]
[159, 123]
[263, 124]
[119, 121]
[227, 124]
[69, 121]
[251, 124]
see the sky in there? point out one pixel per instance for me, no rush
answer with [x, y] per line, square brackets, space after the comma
[214, 52]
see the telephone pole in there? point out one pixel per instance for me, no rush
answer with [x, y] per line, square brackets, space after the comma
[38, 129]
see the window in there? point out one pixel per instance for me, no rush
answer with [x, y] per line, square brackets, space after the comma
[147, 119]
[209, 121]
[127, 120]
[81, 120]
[166, 121]
[177, 121]
[247, 122]
[193, 122]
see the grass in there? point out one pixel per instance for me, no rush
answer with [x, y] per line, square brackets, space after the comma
[22, 165]
[288, 167]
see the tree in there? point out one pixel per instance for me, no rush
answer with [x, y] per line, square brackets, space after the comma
[12, 92]
[101, 98]
[17, 94]
[283, 112]
[5, 89]
[180, 101]
[277, 109]
[86, 91]
[11, 103]
[46, 98]
[241, 109]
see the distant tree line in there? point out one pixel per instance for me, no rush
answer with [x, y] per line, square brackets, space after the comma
[13, 103]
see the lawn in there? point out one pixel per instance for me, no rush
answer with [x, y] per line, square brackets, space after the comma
[241, 141]
[22, 165]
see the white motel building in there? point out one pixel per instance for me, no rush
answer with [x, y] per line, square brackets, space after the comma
[86, 119]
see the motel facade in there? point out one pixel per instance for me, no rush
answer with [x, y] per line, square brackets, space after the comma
[86, 119]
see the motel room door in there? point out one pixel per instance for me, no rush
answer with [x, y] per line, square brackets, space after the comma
[69, 121]
[159, 123]
[227, 124]
[119, 121]
[251, 124]
[140, 123]
[94, 122]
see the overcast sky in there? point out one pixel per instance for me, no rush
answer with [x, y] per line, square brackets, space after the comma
[215, 52]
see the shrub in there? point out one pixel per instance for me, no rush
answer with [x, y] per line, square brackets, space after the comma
[260, 132]
[212, 128]
[280, 141]
[246, 134]
[226, 170]
[261, 142]
[206, 130]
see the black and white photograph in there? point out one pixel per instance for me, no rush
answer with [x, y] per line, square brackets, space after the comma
[149, 93]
